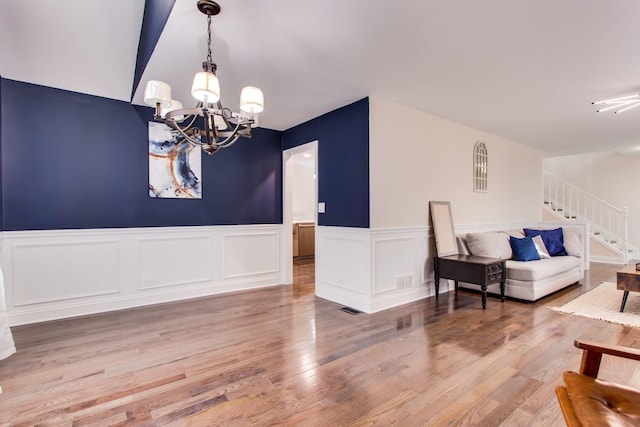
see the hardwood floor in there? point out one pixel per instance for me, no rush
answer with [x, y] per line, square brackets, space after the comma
[280, 355]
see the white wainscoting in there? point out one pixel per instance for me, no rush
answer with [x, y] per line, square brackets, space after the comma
[342, 265]
[64, 273]
[376, 269]
[360, 268]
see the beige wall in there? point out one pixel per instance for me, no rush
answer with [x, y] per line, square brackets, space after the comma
[610, 176]
[416, 157]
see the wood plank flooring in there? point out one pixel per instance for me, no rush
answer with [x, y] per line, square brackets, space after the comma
[280, 355]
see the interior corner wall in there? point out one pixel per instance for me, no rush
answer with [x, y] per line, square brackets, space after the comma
[607, 175]
[417, 157]
[343, 162]
[79, 161]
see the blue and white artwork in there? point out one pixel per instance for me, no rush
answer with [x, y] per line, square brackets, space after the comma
[175, 168]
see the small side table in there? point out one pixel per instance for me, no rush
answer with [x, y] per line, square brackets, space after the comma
[627, 280]
[477, 270]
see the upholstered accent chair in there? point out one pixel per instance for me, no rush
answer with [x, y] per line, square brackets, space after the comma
[586, 400]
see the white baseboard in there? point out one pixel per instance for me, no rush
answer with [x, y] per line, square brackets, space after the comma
[66, 273]
[607, 260]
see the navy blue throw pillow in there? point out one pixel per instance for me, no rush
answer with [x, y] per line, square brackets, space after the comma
[524, 249]
[553, 240]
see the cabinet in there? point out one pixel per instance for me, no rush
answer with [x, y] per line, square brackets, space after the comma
[295, 241]
[304, 240]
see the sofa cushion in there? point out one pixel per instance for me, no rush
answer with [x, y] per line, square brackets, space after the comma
[600, 402]
[516, 233]
[537, 270]
[552, 239]
[492, 244]
[524, 249]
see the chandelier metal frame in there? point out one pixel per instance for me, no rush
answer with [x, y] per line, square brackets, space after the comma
[222, 127]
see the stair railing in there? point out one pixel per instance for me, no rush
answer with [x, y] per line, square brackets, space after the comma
[609, 222]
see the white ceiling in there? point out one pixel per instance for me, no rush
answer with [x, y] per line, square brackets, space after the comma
[525, 70]
[84, 46]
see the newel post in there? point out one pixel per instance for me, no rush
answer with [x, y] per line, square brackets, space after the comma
[625, 242]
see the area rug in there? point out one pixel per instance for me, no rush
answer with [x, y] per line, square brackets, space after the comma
[603, 303]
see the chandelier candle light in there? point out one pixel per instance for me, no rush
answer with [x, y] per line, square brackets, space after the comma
[222, 127]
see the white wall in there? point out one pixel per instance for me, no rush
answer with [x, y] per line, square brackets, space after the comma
[609, 176]
[416, 157]
[304, 197]
[65, 273]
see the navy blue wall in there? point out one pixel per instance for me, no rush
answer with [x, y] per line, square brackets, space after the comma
[343, 162]
[71, 160]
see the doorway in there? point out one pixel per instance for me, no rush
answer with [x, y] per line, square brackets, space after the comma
[300, 202]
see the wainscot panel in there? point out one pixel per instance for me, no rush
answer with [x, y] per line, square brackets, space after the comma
[394, 261]
[342, 266]
[265, 247]
[402, 266]
[76, 269]
[65, 273]
[175, 260]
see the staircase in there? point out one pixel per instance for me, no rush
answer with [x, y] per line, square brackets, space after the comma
[608, 224]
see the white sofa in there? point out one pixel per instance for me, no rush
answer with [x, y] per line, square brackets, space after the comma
[530, 280]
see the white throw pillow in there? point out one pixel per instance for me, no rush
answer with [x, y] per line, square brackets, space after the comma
[540, 247]
[572, 243]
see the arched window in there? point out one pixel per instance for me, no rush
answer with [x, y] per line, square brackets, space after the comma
[480, 167]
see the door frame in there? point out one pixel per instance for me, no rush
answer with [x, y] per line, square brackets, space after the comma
[287, 205]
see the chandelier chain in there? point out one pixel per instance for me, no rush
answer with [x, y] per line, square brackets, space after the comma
[209, 39]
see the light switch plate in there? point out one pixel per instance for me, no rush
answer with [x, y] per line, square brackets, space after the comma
[321, 208]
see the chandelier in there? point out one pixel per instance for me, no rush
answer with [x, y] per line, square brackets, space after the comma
[222, 127]
[619, 104]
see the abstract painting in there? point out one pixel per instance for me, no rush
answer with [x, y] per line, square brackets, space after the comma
[175, 168]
